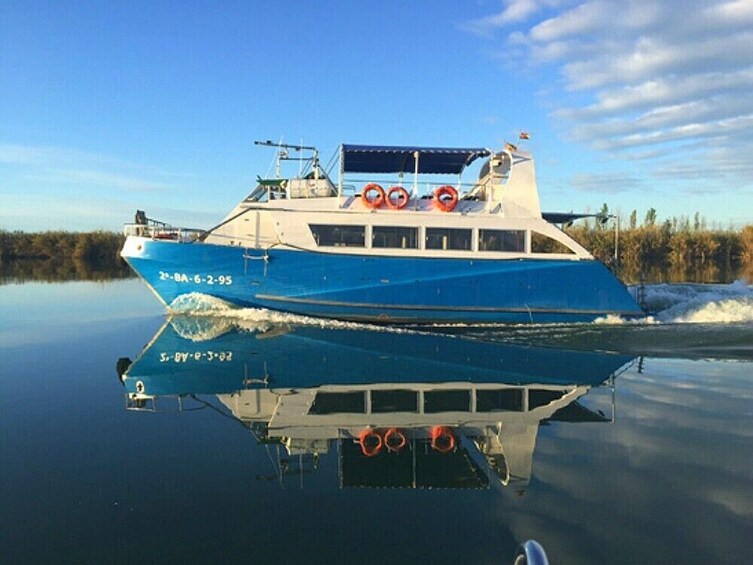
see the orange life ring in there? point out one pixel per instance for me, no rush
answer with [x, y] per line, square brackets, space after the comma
[442, 439]
[442, 202]
[377, 201]
[371, 442]
[402, 197]
[395, 439]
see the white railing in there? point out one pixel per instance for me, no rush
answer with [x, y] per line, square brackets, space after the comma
[159, 230]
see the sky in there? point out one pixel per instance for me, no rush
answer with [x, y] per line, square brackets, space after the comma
[106, 107]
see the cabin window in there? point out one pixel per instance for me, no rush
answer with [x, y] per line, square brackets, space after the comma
[541, 243]
[338, 403]
[387, 401]
[448, 238]
[338, 236]
[542, 397]
[507, 399]
[394, 237]
[502, 240]
[447, 401]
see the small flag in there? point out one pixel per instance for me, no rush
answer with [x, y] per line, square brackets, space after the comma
[524, 135]
[510, 147]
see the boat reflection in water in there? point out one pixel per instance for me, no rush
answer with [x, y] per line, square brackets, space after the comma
[400, 408]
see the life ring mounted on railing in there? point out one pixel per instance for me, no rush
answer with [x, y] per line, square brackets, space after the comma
[397, 198]
[395, 439]
[371, 442]
[446, 198]
[442, 439]
[370, 200]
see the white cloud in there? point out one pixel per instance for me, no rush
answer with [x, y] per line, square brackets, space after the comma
[514, 11]
[65, 166]
[667, 82]
[582, 19]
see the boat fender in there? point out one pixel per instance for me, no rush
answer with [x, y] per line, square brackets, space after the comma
[371, 442]
[366, 196]
[395, 439]
[397, 197]
[442, 439]
[446, 198]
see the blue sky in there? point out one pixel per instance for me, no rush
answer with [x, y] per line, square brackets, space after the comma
[106, 107]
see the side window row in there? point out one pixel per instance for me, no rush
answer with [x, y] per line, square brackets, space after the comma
[456, 239]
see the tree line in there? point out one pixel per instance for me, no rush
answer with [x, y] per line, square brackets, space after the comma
[61, 255]
[678, 249]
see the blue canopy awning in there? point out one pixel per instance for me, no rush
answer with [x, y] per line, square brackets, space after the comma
[392, 159]
[566, 217]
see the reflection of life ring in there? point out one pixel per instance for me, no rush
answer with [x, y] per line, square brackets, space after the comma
[375, 202]
[445, 198]
[394, 439]
[371, 443]
[442, 439]
[401, 197]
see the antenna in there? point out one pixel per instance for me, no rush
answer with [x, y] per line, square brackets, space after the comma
[283, 154]
[269, 143]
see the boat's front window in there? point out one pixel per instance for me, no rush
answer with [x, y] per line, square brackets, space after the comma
[338, 403]
[541, 243]
[502, 240]
[542, 397]
[268, 189]
[338, 235]
[394, 237]
[259, 194]
[448, 238]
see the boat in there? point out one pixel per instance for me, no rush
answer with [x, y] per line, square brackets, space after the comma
[415, 252]
[417, 409]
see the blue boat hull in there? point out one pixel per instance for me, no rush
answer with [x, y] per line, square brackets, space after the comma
[178, 362]
[385, 289]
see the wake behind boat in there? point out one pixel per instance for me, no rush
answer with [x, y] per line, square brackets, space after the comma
[474, 253]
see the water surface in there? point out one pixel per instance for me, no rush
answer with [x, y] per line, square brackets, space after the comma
[643, 452]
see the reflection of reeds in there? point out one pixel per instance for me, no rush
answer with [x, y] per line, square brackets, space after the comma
[48, 270]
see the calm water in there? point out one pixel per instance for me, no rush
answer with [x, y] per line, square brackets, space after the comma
[232, 436]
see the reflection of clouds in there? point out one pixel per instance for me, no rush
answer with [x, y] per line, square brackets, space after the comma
[670, 481]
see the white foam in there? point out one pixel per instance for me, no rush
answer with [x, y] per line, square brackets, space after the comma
[196, 304]
[614, 320]
[701, 303]
[673, 304]
[200, 328]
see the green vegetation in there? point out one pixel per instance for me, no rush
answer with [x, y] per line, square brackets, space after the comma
[676, 250]
[59, 256]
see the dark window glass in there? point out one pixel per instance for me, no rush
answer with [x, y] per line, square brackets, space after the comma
[541, 243]
[394, 237]
[338, 236]
[338, 403]
[502, 240]
[537, 397]
[384, 401]
[447, 401]
[448, 238]
[510, 399]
